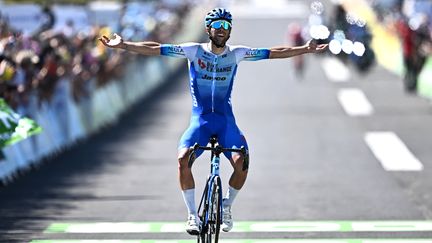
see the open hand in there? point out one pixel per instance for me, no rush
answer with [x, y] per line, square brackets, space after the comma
[314, 47]
[115, 42]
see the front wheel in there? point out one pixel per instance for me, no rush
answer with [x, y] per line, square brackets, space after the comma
[213, 206]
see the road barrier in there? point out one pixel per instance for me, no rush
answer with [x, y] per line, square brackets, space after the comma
[66, 122]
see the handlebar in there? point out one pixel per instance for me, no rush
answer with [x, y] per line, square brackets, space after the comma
[217, 150]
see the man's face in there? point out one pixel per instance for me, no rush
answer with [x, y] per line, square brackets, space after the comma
[219, 33]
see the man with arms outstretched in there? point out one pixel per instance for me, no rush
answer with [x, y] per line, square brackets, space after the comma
[212, 68]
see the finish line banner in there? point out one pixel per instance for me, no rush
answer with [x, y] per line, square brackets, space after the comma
[13, 127]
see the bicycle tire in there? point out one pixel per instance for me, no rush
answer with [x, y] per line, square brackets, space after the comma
[202, 210]
[214, 210]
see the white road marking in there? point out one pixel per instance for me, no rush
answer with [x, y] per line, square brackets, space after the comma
[335, 70]
[391, 152]
[293, 227]
[391, 226]
[354, 102]
[173, 227]
[108, 228]
[247, 241]
[246, 226]
[397, 241]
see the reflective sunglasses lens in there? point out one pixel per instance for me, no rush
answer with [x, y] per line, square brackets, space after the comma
[226, 25]
[216, 25]
[219, 24]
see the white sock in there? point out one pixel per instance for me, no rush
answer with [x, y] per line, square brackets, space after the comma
[230, 196]
[189, 198]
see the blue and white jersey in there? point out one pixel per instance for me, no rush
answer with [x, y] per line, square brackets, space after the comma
[211, 75]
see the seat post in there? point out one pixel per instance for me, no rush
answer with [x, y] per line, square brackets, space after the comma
[213, 140]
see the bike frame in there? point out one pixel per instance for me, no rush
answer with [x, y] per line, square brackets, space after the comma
[213, 178]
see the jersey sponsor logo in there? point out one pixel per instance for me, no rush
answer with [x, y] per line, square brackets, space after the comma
[175, 49]
[209, 67]
[253, 53]
[202, 64]
[206, 77]
[223, 69]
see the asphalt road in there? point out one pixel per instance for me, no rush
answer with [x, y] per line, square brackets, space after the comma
[313, 174]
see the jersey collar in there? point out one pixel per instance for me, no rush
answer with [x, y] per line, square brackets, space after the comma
[206, 46]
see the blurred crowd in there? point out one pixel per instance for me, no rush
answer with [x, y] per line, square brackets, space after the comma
[348, 36]
[348, 26]
[36, 67]
[412, 21]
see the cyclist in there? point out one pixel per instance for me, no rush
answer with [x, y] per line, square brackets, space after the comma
[212, 68]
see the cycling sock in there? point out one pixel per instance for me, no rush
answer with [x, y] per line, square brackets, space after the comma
[230, 196]
[189, 198]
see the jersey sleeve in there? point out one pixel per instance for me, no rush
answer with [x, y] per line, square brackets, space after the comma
[244, 53]
[186, 50]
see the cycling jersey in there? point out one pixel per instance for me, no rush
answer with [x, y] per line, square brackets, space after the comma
[211, 82]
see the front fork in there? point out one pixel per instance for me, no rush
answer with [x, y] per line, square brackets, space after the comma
[205, 199]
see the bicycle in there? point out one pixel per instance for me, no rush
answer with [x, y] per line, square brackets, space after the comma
[210, 207]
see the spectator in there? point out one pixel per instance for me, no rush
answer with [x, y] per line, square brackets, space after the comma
[413, 38]
[47, 19]
[34, 64]
[296, 38]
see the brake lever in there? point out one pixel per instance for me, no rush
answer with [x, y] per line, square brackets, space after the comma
[192, 155]
[191, 158]
[245, 158]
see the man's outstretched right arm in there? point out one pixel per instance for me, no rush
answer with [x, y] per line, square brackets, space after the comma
[147, 48]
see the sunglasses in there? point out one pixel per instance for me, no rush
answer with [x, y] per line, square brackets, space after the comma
[221, 24]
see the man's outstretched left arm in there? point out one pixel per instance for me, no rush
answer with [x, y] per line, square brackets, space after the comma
[286, 51]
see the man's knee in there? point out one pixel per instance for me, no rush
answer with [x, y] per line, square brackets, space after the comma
[183, 158]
